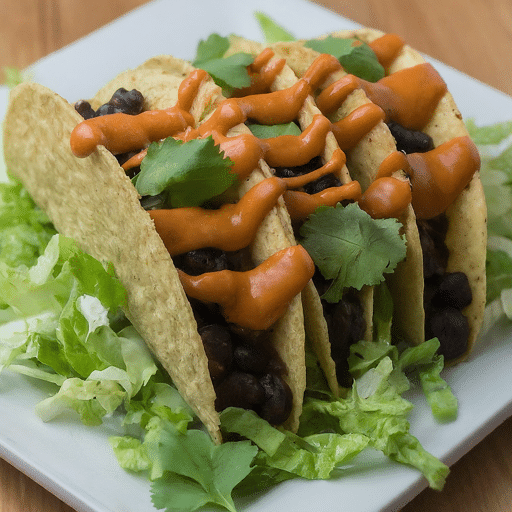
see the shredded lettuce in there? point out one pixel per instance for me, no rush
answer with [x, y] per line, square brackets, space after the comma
[60, 320]
[495, 146]
[26, 230]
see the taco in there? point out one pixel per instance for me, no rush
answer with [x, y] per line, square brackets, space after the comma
[410, 121]
[323, 178]
[247, 307]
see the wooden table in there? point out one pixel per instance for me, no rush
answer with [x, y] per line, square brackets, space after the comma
[474, 37]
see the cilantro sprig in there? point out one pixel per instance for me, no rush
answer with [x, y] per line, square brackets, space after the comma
[189, 173]
[197, 472]
[227, 72]
[356, 58]
[351, 248]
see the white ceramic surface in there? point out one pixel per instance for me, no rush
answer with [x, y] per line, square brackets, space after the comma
[76, 462]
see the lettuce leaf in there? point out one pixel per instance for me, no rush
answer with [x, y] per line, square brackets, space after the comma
[380, 416]
[26, 230]
[60, 324]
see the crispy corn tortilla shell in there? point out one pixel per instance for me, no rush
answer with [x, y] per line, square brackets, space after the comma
[288, 334]
[315, 323]
[363, 161]
[467, 216]
[158, 80]
[92, 201]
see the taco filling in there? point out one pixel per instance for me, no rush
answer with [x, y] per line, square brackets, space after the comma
[234, 302]
[410, 103]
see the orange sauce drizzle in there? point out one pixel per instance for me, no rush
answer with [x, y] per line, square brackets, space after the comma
[262, 74]
[352, 128]
[333, 166]
[438, 176]
[397, 94]
[121, 133]
[230, 228]
[386, 198]
[301, 205]
[387, 48]
[255, 299]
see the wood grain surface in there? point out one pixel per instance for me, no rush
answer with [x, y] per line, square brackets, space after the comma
[474, 37]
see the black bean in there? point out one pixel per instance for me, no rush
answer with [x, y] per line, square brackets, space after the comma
[84, 109]
[239, 389]
[250, 336]
[204, 260]
[287, 172]
[278, 399]
[206, 313]
[299, 170]
[453, 291]
[249, 358]
[219, 349]
[153, 202]
[327, 181]
[410, 141]
[124, 102]
[435, 253]
[430, 289]
[346, 326]
[343, 375]
[451, 327]
[321, 283]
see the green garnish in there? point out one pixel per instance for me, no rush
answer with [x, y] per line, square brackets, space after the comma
[13, 76]
[26, 229]
[269, 131]
[499, 273]
[358, 59]
[351, 248]
[198, 472]
[272, 31]
[227, 72]
[189, 173]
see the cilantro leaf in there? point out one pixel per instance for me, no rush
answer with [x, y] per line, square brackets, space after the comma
[273, 32]
[227, 72]
[351, 248]
[212, 48]
[263, 131]
[198, 471]
[190, 172]
[359, 60]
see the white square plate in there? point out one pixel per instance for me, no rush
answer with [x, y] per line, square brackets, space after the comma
[75, 462]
